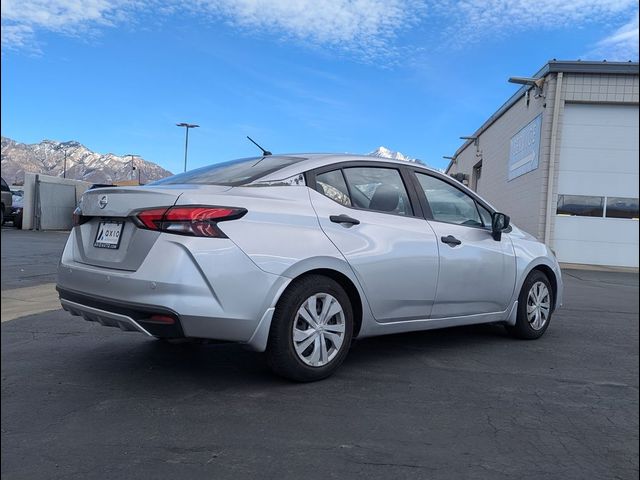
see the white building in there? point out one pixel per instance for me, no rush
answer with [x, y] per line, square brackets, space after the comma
[561, 158]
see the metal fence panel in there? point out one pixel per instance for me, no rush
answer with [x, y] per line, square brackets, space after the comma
[56, 203]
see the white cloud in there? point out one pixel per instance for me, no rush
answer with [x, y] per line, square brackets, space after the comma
[475, 19]
[329, 21]
[17, 36]
[56, 14]
[621, 45]
[22, 19]
[367, 28]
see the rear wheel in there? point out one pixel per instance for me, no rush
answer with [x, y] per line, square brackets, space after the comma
[535, 306]
[311, 329]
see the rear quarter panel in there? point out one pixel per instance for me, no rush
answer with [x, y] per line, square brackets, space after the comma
[280, 229]
[280, 232]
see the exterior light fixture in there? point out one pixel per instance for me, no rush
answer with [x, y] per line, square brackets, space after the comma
[536, 83]
[472, 137]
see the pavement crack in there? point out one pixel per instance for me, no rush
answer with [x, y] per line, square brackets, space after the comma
[390, 464]
[492, 425]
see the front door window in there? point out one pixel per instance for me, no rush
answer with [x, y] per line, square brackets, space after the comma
[449, 204]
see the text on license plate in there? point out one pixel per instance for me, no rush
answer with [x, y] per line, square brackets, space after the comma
[108, 235]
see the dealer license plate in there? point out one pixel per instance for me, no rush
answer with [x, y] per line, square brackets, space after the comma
[108, 235]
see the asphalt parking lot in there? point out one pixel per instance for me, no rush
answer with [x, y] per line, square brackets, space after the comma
[30, 258]
[84, 401]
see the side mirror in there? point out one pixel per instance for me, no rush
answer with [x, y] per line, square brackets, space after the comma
[499, 223]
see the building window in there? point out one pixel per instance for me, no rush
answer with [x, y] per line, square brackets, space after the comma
[621, 207]
[475, 177]
[580, 206]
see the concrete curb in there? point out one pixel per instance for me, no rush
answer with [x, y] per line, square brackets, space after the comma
[598, 268]
[20, 302]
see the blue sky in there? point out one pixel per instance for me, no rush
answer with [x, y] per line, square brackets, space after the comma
[297, 75]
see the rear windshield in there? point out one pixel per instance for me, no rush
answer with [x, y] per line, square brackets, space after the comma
[232, 173]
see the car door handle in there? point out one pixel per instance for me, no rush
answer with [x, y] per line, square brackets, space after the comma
[450, 240]
[344, 219]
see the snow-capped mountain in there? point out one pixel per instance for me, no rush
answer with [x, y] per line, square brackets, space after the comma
[384, 152]
[47, 157]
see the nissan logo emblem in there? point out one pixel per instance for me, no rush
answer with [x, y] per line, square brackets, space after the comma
[103, 201]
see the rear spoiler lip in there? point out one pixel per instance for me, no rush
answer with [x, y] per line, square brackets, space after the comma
[95, 213]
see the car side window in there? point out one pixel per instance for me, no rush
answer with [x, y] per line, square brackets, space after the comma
[449, 204]
[331, 184]
[379, 189]
[5, 187]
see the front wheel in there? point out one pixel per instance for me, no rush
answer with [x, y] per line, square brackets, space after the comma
[311, 329]
[535, 306]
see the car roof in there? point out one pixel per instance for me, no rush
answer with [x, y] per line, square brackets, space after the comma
[318, 160]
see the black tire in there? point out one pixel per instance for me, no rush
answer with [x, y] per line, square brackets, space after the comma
[281, 353]
[2, 215]
[523, 328]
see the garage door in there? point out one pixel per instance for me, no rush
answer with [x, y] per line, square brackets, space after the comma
[596, 220]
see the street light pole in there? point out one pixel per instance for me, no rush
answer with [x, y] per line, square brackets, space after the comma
[133, 167]
[64, 171]
[186, 126]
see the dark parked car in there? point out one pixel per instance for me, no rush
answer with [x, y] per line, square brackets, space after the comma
[16, 209]
[6, 201]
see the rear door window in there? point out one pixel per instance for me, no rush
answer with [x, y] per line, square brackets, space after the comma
[378, 189]
[331, 184]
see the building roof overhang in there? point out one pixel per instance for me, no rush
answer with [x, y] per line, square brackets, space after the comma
[553, 66]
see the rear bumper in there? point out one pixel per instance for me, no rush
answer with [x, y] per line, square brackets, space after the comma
[209, 286]
[126, 316]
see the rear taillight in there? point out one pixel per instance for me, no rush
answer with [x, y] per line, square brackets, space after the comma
[197, 221]
[152, 219]
[78, 218]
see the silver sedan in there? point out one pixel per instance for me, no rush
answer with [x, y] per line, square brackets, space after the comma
[298, 255]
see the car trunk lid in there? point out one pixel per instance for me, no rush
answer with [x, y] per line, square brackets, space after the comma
[110, 211]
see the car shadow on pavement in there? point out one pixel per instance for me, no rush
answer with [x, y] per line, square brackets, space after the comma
[73, 352]
[148, 363]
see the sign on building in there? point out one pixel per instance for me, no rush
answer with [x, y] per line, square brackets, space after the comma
[524, 152]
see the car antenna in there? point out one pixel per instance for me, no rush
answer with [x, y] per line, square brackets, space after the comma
[264, 152]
